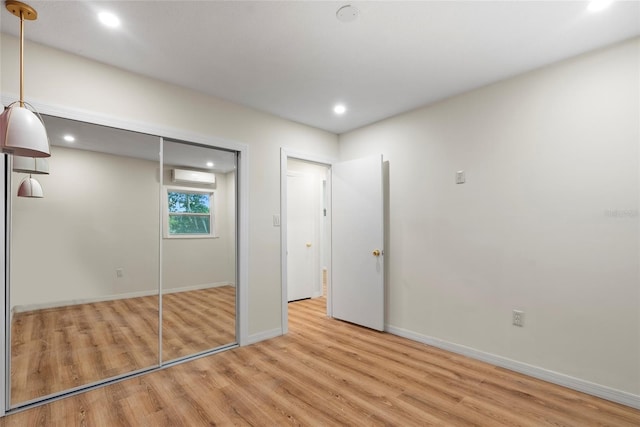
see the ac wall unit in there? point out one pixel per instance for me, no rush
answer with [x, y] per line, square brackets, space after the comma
[192, 177]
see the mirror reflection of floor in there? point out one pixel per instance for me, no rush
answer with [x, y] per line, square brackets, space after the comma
[60, 348]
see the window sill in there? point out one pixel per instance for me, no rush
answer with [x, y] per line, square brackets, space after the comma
[190, 236]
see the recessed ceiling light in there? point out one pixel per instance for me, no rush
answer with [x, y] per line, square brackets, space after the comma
[339, 109]
[598, 5]
[69, 138]
[209, 164]
[109, 19]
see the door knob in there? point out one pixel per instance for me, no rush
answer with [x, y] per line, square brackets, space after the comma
[308, 244]
[376, 252]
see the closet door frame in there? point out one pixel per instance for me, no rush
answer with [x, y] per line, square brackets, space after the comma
[242, 227]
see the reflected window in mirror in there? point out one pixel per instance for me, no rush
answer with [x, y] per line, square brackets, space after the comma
[189, 213]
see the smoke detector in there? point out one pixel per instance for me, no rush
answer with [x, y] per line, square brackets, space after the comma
[347, 13]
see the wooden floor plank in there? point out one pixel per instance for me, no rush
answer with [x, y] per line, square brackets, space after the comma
[330, 373]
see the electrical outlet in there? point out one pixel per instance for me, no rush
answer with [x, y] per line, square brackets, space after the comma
[518, 318]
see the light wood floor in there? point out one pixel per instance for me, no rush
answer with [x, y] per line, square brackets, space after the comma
[60, 348]
[329, 373]
[200, 320]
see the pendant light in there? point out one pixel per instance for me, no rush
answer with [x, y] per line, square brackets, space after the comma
[30, 187]
[22, 132]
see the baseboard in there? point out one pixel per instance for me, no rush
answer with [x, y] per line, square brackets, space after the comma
[577, 384]
[56, 304]
[196, 287]
[264, 335]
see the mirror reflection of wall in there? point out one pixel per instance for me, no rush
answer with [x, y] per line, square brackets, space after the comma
[85, 265]
[198, 263]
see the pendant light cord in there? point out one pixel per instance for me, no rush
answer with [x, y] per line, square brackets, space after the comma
[21, 58]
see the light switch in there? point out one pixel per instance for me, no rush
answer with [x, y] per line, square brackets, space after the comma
[276, 220]
[460, 177]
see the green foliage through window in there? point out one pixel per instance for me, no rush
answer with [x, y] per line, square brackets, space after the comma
[189, 213]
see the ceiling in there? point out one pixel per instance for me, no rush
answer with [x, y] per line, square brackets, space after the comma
[295, 59]
[119, 142]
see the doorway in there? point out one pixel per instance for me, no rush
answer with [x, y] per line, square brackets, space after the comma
[305, 230]
[353, 238]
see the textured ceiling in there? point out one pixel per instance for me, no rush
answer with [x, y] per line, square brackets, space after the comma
[295, 59]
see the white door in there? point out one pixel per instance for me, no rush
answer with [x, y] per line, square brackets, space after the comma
[303, 208]
[357, 241]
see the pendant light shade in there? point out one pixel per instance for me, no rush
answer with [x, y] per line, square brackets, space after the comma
[22, 133]
[30, 187]
[32, 165]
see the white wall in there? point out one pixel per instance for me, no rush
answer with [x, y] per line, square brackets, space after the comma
[61, 79]
[546, 223]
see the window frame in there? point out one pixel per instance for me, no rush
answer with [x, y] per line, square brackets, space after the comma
[189, 190]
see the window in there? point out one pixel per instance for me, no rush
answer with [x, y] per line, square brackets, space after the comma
[189, 213]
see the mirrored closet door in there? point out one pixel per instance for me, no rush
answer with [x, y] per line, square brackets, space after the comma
[84, 268]
[198, 249]
[125, 263]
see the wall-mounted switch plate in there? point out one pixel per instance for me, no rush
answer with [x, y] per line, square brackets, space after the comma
[460, 179]
[119, 272]
[276, 220]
